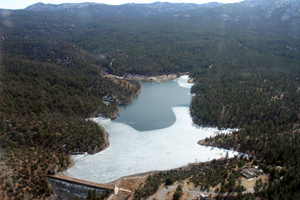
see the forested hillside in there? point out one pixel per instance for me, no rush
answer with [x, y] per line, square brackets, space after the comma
[48, 88]
[244, 58]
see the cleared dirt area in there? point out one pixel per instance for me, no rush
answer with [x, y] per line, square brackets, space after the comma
[130, 183]
[250, 183]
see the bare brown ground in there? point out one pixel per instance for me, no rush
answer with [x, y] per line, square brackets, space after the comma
[4, 174]
[130, 183]
[250, 183]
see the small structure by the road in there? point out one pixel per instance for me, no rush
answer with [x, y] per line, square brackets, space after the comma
[250, 173]
[116, 190]
[203, 196]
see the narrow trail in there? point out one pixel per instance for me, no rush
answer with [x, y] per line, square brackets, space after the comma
[169, 49]
[111, 62]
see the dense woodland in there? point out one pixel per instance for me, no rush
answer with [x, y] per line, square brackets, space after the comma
[44, 102]
[245, 64]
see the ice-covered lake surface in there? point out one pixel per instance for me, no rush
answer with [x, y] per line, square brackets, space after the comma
[132, 151]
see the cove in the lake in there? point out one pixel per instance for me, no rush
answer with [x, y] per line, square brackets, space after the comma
[133, 152]
[152, 108]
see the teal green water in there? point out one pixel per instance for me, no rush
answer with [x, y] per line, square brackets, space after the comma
[151, 109]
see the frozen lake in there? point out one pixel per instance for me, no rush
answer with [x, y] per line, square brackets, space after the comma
[133, 151]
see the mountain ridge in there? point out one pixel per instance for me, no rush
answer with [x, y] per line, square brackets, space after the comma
[129, 8]
[289, 10]
[49, 6]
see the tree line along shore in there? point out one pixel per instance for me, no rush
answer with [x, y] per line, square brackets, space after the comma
[245, 68]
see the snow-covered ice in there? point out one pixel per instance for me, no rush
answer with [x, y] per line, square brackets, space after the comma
[183, 81]
[132, 152]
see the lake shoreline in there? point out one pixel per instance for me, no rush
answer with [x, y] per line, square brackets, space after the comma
[106, 135]
[158, 78]
[126, 178]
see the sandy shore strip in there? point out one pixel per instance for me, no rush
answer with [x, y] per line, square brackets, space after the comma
[159, 78]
